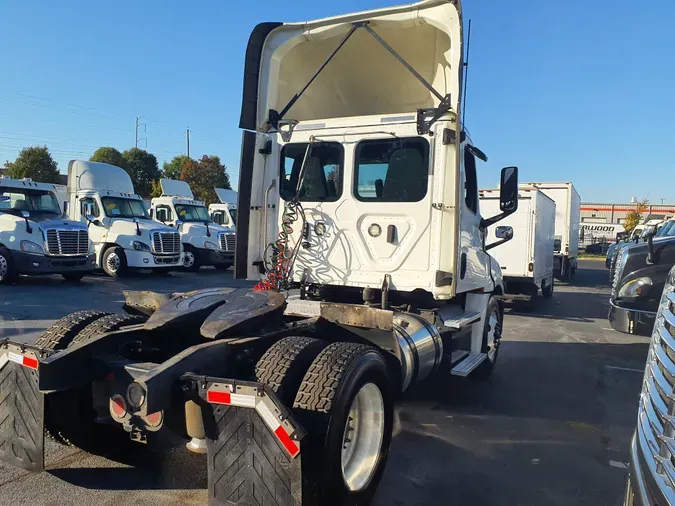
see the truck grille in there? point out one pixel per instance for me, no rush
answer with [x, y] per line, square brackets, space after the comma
[618, 264]
[656, 424]
[67, 242]
[166, 242]
[227, 242]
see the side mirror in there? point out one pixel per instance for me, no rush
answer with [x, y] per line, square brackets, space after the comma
[508, 196]
[90, 218]
[504, 233]
[25, 214]
[66, 208]
[508, 190]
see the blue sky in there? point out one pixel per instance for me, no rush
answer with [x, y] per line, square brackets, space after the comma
[571, 90]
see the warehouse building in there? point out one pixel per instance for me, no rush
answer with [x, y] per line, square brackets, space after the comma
[602, 212]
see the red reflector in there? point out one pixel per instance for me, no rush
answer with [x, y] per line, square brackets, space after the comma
[218, 397]
[154, 418]
[30, 362]
[290, 445]
[118, 406]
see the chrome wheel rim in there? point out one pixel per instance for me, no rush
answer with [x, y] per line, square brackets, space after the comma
[4, 267]
[188, 259]
[113, 262]
[362, 439]
[494, 335]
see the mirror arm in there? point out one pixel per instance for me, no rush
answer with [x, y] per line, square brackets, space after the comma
[498, 243]
[487, 222]
[138, 229]
[651, 260]
[28, 227]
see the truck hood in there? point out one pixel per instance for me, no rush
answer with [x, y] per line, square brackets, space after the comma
[200, 229]
[54, 222]
[363, 78]
[128, 226]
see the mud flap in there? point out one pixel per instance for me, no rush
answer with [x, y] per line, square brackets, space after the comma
[22, 432]
[250, 462]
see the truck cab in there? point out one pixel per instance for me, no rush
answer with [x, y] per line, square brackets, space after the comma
[204, 242]
[639, 275]
[225, 212]
[124, 237]
[35, 237]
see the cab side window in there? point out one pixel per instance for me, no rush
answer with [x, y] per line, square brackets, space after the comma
[470, 181]
[164, 214]
[89, 205]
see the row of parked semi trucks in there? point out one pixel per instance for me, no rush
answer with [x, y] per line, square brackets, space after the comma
[98, 222]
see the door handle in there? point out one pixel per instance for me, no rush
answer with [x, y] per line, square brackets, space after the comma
[391, 234]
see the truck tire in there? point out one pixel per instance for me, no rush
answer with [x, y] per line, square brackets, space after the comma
[547, 289]
[72, 276]
[492, 335]
[107, 324]
[71, 413]
[61, 333]
[190, 258]
[345, 402]
[283, 366]
[58, 337]
[114, 262]
[7, 272]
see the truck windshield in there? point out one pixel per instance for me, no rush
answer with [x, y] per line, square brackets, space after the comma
[16, 200]
[116, 207]
[192, 213]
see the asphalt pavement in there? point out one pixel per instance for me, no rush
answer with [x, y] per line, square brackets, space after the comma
[551, 427]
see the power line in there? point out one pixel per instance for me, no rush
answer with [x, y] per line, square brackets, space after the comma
[138, 118]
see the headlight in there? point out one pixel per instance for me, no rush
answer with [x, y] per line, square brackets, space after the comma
[635, 288]
[141, 246]
[210, 245]
[31, 247]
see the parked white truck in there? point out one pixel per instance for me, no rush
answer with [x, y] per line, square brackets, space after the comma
[527, 261]
[567, 218]
[225, 212]
[362, 194]
[204, 242]
[35, 238]
[120, 228]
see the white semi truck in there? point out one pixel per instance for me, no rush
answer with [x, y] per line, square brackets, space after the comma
[359, 189]
[35, 238]
[567, 218]
[204, 242]
[225, 212]
[527, 261]
[124, 236]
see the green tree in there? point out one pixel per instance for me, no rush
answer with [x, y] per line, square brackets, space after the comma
[143, 170]
[204, 176]
[36, 163]
[108, 155]
[173, 169]
[633, 218]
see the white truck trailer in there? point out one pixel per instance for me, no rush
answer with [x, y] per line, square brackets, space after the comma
[204, 242]
[567, 219]
[225, 212]
[123, 234]
[292, 398]
[527, 261]
[35, 238]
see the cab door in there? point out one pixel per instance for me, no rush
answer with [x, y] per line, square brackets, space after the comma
[472, 272]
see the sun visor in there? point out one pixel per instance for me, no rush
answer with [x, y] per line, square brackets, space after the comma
[173, 188]
[363, 77]
[226, 196]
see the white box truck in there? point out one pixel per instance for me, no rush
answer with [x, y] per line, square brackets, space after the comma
[123, 234]
[204, 242]
[527, 260]
[225, 212]
[35, 238]
[567, 218]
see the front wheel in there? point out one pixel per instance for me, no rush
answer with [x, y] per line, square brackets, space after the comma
[190, 259]
[7, 271]
[346, 403]
[492, 336]
[115, 262]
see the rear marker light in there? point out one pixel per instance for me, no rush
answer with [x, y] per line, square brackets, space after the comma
[118, 407]
[30, 362]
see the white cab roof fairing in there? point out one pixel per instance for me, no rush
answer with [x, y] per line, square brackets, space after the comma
[84, 175]
[363, 78]
[226, 196]
[173, 188]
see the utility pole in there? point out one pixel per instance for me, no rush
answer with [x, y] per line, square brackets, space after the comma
[138, 124]
[188, 142]
[662, 200]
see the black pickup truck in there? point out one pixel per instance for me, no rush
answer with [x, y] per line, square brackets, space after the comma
[639, 272]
